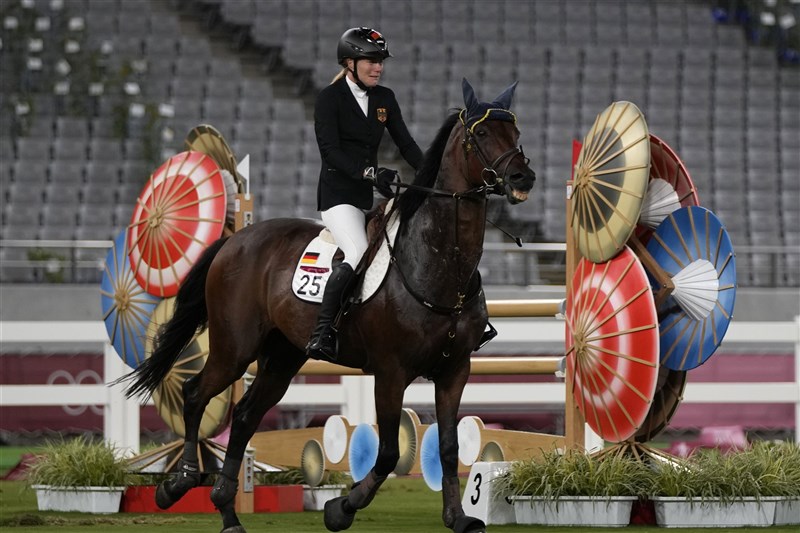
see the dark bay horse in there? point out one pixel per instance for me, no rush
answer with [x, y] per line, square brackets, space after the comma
[425, 320]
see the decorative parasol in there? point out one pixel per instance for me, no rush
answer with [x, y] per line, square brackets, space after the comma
[612, 344]
[126, 306]
[206, 139]
[168, 396]
[469, 439]
[178, 214]
[670, 188]
[695, 301]
[363, 451]
[335, 435]
[312, 463]
[408, 437]
[610, 181]
[668, 396]
[492, 453]
[430, 461]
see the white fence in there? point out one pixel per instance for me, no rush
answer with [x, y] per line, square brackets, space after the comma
[354, 394]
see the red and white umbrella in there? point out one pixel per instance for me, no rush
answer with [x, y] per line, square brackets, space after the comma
[179, 213]
[612, 344]
[669, 189]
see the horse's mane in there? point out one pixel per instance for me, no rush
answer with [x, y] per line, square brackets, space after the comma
[409, 201]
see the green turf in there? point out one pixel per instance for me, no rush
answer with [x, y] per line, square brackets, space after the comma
[402, 506]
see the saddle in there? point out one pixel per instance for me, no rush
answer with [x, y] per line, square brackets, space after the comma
[321, 254]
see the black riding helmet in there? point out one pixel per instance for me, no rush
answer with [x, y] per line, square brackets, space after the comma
[362, 43]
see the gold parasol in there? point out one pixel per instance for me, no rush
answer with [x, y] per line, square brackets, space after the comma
[312, 463]
[611, 178]
[206, 139]
[168, 396]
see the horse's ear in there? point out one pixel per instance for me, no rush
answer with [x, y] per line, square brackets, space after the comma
[470, 101]
[504, 100]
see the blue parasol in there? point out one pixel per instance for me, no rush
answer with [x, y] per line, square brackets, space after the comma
[363, 451]
[430, 462]
[696, 291]
[126, 306]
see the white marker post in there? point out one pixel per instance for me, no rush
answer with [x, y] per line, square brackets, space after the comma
[481, 498]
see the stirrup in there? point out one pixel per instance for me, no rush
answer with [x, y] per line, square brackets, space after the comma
[488, 335]
[317, 349]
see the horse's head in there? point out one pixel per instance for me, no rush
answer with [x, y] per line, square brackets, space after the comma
[490, 143]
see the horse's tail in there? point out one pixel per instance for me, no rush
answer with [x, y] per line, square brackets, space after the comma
[189, 317]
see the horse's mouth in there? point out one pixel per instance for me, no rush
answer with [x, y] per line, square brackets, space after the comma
[519, 196]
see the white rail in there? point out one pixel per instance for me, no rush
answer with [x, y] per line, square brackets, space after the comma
[354, 394]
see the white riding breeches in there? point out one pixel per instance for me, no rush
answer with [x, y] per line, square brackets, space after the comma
[346, 224]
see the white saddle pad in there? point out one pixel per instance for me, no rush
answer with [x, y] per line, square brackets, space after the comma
[314, 267]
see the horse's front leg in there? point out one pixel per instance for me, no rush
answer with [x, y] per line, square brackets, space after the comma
[449, 388]
[340, 512]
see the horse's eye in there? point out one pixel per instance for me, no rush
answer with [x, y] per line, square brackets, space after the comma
[480, 132]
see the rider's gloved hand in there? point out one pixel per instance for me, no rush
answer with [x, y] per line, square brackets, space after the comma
[384, 179]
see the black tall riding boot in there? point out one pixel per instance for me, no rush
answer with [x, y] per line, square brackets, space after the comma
[323, 340]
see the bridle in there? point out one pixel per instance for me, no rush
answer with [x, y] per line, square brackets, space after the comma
[493, 181]
[470, 144]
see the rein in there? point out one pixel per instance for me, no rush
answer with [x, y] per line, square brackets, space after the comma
[476, 193]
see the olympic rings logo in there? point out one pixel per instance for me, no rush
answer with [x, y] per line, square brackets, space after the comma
[84, 377]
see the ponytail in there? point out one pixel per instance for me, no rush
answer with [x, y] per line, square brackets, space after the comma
[342, 73]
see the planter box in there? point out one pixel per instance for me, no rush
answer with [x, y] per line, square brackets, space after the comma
[682, 512]
[787, 512]
[98, 500]
[142, 499]
[266, 499]
[314, 498]
[574, 511]
[278, 499]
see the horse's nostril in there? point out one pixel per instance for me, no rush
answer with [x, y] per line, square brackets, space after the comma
[522, 181]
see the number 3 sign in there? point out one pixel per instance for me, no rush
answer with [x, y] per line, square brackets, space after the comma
[481, 499]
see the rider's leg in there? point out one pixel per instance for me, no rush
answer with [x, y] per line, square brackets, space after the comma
[346, 224]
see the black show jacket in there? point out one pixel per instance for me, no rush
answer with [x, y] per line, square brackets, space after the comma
[348, 142]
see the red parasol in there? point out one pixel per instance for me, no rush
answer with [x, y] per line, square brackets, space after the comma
[669, 189]
[178, 214]
[612, 344]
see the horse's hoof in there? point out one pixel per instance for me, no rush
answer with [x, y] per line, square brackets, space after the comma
[172, 490]
[234, 529]
[163, 499]
[224, 492]
[469, 524]
[336, 517]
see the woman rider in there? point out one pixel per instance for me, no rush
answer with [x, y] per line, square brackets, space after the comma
[350, 116]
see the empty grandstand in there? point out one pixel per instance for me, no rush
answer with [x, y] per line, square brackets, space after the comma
[97, 93]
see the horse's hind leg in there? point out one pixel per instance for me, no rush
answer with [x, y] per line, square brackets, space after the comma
[272, 380]
[340, 512]
[449, 389]
[197, 392]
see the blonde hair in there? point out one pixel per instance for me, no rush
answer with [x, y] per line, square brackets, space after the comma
[342, 73]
